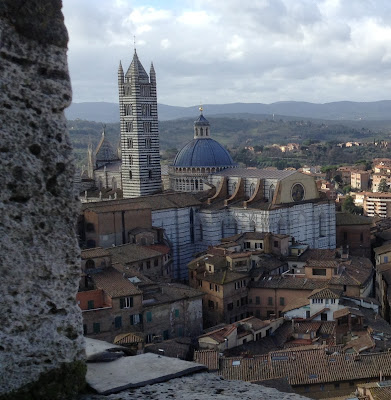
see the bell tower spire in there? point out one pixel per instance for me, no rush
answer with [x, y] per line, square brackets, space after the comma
[141, 174]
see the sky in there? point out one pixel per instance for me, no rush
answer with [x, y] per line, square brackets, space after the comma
[228, 51]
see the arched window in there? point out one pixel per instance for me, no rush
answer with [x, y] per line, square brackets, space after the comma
[191, 220]
[129, 126]
[322, 225]
[252, 189]
[201, 132]
[130, 175]
[233, 188]
[128, 109]
[130, 160]
[271, 192]
[114, 183]
[130, 143]
[252, 226]
[90, 264]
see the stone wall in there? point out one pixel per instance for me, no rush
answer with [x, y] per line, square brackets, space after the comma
[202, 386]
[41, 344]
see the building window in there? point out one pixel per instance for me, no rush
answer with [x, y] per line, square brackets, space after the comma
[146, 110]
[96, 327]
[118, 322]
[176, 313]
[128, 109]
[130, 160]
[275, 243]
[90, 304]
[155, 262]
[210, 286]
[319, 271]
[130, 175]
[148, 143]
[150, 174]
[166, 335]
[140, 266]
[148, 264]
[136, 319]
[129, 126]
[126, 302]
[211, 304]
[345, 236]
[145, 91]
[282, 301]
[130, 143]
[257, 300]
[217, 288]
[191, 220]
[149, 316]
[147, 127]
[84, 329]
[149, 159]
[230, 306]
[270, 301]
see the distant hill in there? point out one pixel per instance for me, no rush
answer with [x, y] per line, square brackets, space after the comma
[341, 111]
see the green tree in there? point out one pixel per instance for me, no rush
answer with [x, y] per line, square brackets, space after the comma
[383, 187]
[349, 206]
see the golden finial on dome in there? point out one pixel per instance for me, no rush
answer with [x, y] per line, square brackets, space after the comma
[201, 109]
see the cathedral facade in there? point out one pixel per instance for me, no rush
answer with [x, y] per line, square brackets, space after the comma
[225, 200]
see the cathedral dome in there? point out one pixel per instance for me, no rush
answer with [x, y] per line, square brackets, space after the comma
[204, 152]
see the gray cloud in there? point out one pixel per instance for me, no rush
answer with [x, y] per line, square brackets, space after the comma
[234, 50]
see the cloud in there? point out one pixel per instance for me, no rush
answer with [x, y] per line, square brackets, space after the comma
[233, 50]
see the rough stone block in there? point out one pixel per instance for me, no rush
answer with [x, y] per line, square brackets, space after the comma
[40, 323]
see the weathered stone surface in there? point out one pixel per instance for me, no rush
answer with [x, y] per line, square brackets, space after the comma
[40, 323]
[133, 372]
[201, 386]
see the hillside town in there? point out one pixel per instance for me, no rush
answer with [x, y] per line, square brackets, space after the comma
[261, 275]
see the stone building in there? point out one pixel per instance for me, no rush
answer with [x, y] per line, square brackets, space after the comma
[116, 299]
[141, 173]
[354, 232]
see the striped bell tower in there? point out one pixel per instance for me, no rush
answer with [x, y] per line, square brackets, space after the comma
[141, 173]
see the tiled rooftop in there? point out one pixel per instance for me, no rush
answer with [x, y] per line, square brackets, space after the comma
[156, 202]
[255, 173]
[306, 367]
[128, 253]
[210, 358]
[93, 253]
[114, 284]
[325, 293]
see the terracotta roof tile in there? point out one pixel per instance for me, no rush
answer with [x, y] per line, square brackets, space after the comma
[95, 252]
[129, 253]
[306, 367]
[113, 283]
[325, 293]
[209, 358]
